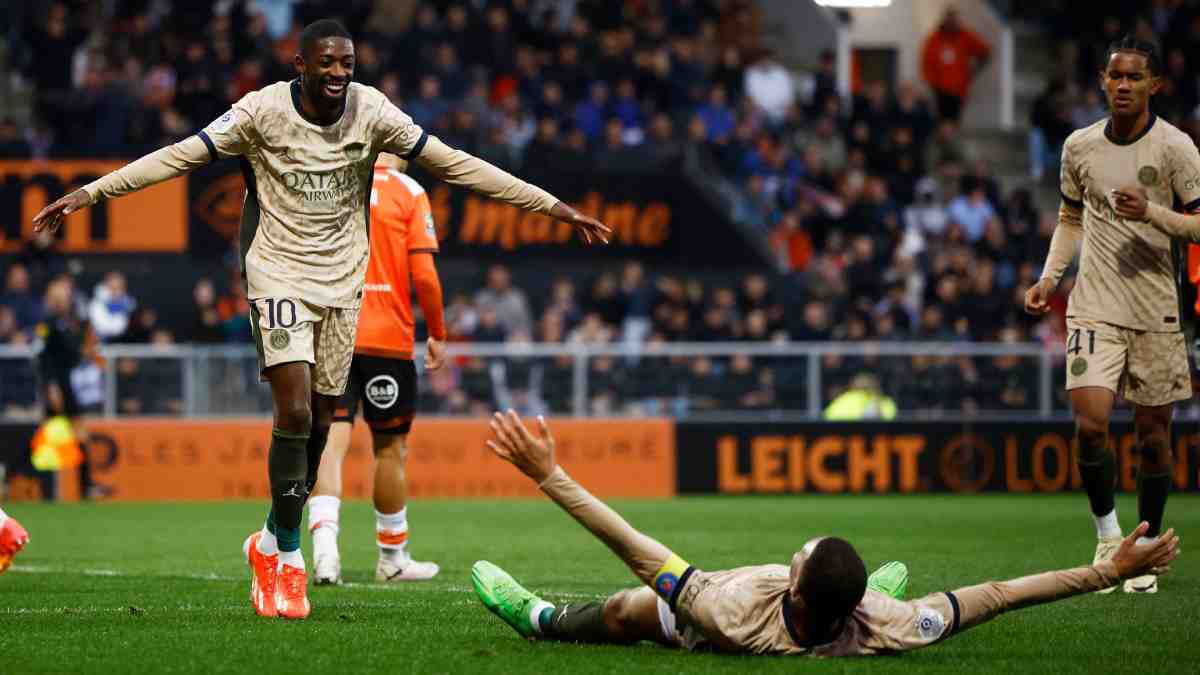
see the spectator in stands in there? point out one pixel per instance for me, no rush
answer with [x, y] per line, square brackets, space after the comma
[509, 303]
[12, 144]
[428, 107]
[769, 86]
[141, 328]
[206, 321]
[971, 211]
[20, 299]
[111, 307]
[592, 113]
[863, 400]
[718, 117]
[489, 328]
[951, 58]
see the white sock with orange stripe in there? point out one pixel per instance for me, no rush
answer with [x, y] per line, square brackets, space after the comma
[323, 524]
[391, 535]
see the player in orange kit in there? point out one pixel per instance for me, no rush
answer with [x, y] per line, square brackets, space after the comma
[383, 377]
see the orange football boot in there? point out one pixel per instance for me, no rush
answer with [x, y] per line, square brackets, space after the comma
[262, 576]
[291, 593]
[13, 538]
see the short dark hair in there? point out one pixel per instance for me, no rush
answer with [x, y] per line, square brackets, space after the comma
[1130, 43]
[834, 580]
[319, 30]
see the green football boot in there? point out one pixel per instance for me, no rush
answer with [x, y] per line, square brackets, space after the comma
[505, 598]
[891, 580]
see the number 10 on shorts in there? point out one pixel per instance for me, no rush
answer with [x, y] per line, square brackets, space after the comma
[282, 313]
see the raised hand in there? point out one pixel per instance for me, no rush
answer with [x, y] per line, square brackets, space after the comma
[1037, 298]
[1130, 202]
[52, 216]
[534, 456]
[1133, 559]
[435, 354]
[589, 228]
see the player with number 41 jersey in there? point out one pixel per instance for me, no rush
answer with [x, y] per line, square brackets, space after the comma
[1121, 178]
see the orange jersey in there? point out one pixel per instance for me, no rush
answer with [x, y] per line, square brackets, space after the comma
[401, 225]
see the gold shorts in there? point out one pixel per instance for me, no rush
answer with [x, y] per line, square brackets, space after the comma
[288, 329]
[1147, 368]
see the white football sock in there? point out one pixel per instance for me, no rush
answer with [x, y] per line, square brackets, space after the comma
[391, 535]
[535, 615]
[3, 516]
[267, 544]
[323, 524]
[1107, 526]
[322, 509]
[291, 558]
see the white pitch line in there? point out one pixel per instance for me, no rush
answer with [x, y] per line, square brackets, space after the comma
[212, 576]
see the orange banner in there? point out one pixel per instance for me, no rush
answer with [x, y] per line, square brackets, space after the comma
[142, 460]
[151, 220]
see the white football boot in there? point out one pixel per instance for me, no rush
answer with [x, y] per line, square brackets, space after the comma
[388, 571]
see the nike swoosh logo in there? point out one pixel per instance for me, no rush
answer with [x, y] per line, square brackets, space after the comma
[1142, 589]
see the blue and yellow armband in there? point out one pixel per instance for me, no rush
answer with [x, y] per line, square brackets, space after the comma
[670, 578]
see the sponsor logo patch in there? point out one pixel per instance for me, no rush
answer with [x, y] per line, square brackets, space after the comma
[382, 391]
[429, 224]
[280, 339]
[1079, 366]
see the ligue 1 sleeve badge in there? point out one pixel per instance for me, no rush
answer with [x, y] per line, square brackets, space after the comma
[222, 123]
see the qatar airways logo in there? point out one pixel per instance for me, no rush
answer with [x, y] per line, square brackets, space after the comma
[324, 186]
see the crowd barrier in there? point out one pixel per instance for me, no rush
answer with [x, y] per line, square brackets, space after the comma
[168, 460]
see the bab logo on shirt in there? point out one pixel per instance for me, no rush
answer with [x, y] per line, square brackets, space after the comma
[382, 391]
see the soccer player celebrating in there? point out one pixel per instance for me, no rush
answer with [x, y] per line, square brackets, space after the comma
[383, 377]
[1120, 177]
[820, 604]
[13, 538]
[307, 150]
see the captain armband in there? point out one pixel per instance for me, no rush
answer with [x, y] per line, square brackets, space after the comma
[671, 577]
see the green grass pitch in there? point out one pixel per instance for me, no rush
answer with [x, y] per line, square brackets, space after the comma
[153, 588]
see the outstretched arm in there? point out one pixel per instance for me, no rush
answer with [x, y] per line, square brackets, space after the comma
[160, 165]
[534, 456]
[460, 168]
[977, 604]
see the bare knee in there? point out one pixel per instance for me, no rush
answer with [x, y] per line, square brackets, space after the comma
[1153, 428]
[294, 415]
[392, 447]
[621, 616]
[1156, 456]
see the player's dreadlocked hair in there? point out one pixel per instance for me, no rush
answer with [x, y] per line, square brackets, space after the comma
[834, 580]
[1129, 43]
[319, 30]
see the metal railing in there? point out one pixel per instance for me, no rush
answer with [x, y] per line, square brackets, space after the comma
[740, 380]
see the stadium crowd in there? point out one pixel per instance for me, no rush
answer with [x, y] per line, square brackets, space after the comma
[1072, 98]
[886, 228]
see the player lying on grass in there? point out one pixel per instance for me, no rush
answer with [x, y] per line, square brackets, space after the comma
[820, 604]
[13, 538]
